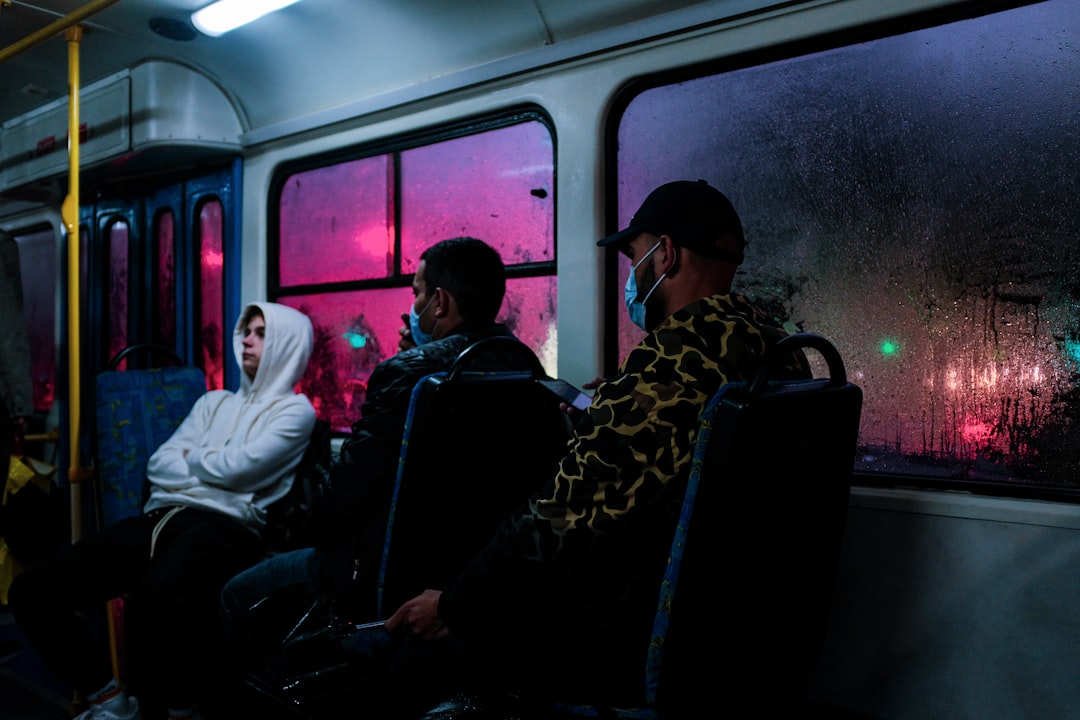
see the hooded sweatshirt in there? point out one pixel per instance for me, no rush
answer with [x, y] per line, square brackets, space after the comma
[244, 446]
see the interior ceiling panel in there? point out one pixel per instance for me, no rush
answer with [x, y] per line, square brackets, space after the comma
[355, 48]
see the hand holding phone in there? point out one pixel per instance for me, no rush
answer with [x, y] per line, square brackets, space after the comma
[569, 394]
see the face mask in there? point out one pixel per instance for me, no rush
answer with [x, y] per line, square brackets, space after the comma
[419, 336]
[635, 307]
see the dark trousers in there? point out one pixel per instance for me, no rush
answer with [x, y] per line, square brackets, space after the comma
[171, 605]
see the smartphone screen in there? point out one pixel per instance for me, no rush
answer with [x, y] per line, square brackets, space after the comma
[568, 393]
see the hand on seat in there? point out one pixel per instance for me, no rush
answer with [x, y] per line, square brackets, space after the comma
[420, 616]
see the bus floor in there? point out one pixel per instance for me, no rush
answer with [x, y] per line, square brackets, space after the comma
[28, 693]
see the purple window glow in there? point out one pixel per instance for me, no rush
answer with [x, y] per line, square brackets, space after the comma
[337, 226]
[343, 212]
[118, 289]
[164, 330]
[211, 341]
[913, 199]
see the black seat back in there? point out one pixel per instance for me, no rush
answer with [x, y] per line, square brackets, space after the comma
[476, 445]
[746, 598]
[288, 518]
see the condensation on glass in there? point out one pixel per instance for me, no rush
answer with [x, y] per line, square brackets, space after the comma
[338, 226]
[164, 277]
[39, 267]
[211, 295]
[337, 223]
[117, 291]
[913, 199]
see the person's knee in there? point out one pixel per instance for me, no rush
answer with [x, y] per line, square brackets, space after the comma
[231, 600]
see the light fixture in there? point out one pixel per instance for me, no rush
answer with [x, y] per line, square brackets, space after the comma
[225, 15]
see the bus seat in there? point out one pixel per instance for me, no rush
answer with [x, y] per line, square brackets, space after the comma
[287, 519]
[758, 543]
[137, 410]
[744, 603]
[476, 445]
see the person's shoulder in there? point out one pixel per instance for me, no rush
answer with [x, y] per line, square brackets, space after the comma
[215, 397]
[417, 362]
[300, 400]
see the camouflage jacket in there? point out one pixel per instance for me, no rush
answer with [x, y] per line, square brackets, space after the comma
[586, 554]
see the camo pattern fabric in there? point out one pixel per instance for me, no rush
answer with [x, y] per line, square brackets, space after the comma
[627, 464]
[638, 435]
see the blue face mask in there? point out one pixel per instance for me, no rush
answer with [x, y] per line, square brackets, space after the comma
[419, 336]
[635, 307]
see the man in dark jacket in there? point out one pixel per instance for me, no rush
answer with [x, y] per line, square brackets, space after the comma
[561, 601]
[458, 287]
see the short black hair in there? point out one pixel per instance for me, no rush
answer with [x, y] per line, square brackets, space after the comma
[471, 271]
[251, 311]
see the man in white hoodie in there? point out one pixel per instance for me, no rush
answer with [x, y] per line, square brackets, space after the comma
[211, 482]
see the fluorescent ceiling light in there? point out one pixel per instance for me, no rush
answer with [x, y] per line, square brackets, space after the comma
[225, 15]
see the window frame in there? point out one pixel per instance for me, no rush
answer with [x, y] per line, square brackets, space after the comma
[612, 305]
[393, 146]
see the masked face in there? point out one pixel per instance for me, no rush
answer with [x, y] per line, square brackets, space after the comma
[635, 307]
[419, 336]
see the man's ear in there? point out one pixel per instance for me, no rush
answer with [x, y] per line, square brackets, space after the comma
[669, 258]
[442, 299]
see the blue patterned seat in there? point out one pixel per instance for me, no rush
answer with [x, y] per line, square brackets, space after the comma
[137, 410]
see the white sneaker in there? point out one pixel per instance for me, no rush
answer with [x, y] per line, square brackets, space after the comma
[120, 707]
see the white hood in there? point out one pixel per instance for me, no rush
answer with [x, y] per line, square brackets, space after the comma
[236, 453]
[289, 339]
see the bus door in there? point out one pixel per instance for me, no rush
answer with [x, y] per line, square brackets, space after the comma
[160, 271]
[160, 267]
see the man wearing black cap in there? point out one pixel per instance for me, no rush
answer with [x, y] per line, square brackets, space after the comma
[561, 602]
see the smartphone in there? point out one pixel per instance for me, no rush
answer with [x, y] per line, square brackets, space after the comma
[567, 393]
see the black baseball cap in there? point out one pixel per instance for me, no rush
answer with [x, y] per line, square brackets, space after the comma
[693, 213]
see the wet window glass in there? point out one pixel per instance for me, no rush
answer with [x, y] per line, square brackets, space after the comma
[211, 295]
[913, 199]
[118, 290]
[496, 186]
[38, 267]
[343, 212]
[351, 235]
[164, 325]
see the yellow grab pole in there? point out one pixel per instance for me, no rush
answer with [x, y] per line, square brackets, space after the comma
[55, 28]
[70, 214]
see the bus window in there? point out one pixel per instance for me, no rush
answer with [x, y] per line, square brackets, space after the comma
[117, 293]
[38, 261]
[163, 233]
[350, 234]
[211, 293]
[913, 199]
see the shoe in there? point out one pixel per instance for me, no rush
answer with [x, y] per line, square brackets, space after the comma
[9, 649]
[120, 707]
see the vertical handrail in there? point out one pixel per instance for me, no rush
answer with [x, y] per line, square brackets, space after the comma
[70, 215]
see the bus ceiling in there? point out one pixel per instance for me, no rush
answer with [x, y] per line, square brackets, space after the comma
[258, 82]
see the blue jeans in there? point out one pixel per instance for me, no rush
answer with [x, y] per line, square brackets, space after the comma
[258, 604]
